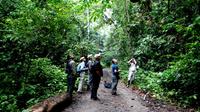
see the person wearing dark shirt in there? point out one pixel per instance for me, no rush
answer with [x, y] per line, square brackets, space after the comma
[115, 76]
[70, 70]
[97, 73]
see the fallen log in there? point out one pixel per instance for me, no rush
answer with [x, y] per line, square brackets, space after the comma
[53, 104]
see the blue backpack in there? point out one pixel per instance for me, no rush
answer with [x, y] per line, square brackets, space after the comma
[78, 69]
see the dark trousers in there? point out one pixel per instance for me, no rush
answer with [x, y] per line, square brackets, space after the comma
[70, 84]
[90, 81]
[94, 86]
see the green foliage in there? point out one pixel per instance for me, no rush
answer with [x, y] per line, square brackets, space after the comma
[182, 79]
[36, 37]
[47, 75]
[107, 57]
[149, 81]
[163, 36]
[40, 81]
[8, 103]
[124, 75]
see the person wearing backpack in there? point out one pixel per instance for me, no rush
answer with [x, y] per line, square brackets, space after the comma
[81, 68]
[97, 73]
[70, 70]
[115, 76]
[132, 71]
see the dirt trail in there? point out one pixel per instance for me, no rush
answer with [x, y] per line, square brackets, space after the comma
[124, 101]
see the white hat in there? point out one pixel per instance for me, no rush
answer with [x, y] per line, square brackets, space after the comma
[114, 60]
[82, 58]
[89, 56]
[97, 55]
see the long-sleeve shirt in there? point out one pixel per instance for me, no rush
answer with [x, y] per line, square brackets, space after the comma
[114, 69]
[73, 64]
[81, 66]
[132, 67]
[70, 67]
[98, 69]
[132, 63]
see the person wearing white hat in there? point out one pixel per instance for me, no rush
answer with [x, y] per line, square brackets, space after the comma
[132, 70]
[89, 56]
[81, 71]
[97, 73]
[97, 56]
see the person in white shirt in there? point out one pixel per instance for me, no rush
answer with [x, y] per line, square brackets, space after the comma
[81, 70]
[132, 70]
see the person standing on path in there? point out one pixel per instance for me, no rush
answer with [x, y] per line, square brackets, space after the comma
[81, 71]
[89, 64]
[115, 76]
[97, 73]
[70, 70]
[132, 71]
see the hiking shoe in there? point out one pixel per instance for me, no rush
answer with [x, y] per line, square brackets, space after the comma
[95, 98]
[114, 93]
[79, 92]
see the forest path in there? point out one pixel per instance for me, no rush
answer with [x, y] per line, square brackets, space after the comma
[124, 101]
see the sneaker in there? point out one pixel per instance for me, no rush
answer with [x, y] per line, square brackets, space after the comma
[114, 93]
[79, 92]
[88, 87]
[95, 98]
[129, 82]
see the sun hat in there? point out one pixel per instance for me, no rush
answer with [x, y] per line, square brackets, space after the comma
[82, 58]
[97, 55]
[70, 56]
[114, 60]
[89, 56]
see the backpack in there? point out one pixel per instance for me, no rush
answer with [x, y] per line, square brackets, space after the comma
[78, 69]
[108, 85]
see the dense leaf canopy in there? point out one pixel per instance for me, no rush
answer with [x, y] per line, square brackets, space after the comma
[37, 35]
